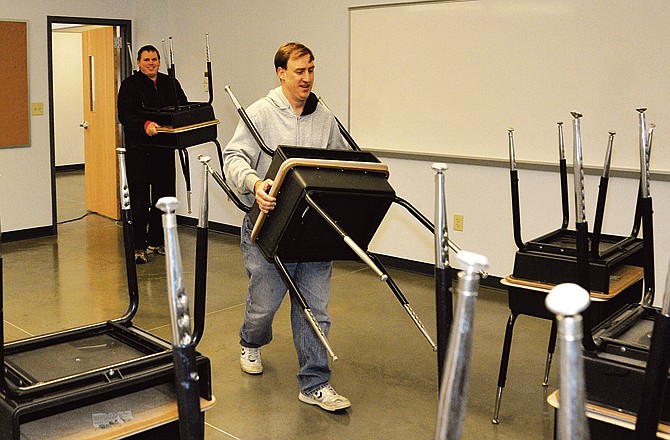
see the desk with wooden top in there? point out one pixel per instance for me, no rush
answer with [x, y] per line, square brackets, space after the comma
[147, 414]
[607, 422]
[527, 298]
[168, 129]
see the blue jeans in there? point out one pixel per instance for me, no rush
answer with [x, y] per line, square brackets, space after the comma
[265, 294]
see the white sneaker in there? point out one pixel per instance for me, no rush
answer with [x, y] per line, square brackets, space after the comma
[327, 398]
[250, 360]
[160, 250]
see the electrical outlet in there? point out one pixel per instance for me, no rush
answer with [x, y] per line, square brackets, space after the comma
[458, 222]
[37, 108]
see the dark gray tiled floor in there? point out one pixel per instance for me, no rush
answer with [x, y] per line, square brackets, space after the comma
[386, 368]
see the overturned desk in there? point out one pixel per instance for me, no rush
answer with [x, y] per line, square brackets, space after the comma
[192, 125]
[527, 298]
[49, 378]
[329, 205]
[186, 136]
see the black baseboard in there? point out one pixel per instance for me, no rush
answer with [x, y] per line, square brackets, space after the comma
[491, 281]
[408, 265]
[213, 226]
[71, 167]
[45, 231]
[25, 234]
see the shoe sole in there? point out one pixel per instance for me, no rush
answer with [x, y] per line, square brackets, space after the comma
[256, 367]
[308, 400]
[253, 372]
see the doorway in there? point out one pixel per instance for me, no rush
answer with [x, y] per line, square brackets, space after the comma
[84, 132]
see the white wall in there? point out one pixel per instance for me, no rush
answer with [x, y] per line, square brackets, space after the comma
[509, 63]
[68, 98]
[25, 173]
[244, 36]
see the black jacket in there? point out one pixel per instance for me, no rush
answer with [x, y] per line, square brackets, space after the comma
[138, 92]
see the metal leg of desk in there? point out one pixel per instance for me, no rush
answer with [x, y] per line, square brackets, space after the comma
[550, 352]
[504, 362]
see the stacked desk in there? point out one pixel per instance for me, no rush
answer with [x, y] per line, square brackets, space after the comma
[616, 281]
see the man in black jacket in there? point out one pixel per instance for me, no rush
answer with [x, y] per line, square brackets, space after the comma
[151, 170]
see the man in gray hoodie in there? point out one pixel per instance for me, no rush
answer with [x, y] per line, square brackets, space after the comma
[289, 115]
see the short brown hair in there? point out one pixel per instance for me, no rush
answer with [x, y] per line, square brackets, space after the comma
[287, 50]
[147, 48]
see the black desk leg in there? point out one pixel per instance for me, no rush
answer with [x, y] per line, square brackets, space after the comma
[504, 362]
[550, 352]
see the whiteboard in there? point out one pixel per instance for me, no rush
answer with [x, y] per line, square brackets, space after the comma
[450, 77]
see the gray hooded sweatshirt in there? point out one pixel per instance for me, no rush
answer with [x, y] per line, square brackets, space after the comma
[244, 163]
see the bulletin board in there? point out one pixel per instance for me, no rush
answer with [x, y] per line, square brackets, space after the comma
[14, 107]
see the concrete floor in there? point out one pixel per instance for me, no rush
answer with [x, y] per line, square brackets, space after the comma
[386, 367]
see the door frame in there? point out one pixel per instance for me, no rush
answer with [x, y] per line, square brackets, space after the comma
[125, 69]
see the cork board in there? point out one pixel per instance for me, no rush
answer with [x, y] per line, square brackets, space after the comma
[14, 108]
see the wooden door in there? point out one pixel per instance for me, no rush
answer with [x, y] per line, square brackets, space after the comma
[100, 135]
